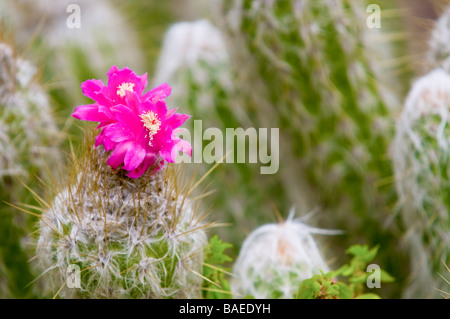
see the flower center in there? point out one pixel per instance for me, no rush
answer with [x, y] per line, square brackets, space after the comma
[125, 86]
[151, 123]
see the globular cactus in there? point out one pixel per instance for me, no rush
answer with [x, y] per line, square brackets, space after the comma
[421, 152]
[131, 238]
[275, 258]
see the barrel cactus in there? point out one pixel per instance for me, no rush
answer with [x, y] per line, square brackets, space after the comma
[130, 238]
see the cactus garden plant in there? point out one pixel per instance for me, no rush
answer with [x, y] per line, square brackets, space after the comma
[123, 217]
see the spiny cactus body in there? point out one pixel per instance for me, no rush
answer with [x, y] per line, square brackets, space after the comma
[131, 238]
[421, 153]
[275, 259]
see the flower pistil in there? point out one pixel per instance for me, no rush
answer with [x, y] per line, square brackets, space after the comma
[151, 123]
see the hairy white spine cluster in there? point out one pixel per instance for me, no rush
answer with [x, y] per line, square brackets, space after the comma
[276, 258]
[439, 44]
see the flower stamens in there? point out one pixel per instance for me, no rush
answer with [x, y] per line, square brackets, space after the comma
[151, 123]
[125, 86]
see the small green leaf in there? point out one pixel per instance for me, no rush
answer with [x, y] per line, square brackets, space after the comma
[344, 291]
[385, 277]
[358, 279]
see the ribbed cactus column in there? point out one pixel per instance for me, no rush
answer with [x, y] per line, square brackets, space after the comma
[421, 153]
[322, 74]
[131, 238]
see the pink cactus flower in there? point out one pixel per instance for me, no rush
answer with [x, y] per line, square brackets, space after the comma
[136, 127]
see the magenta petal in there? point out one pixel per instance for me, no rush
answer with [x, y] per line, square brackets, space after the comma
[105, 110]
[116, 77]
[163, 137]
[118, 155]
[168, 154]
[89, 112]
[134, 157]
[126, 116]
[114, 69]
[119, 132]
[160, 92]
[108, 144]
[99, 139]
[133, 102]
[94, 89]
[182, 145]
[143, 84]
[171, 112]
[176, 120]
[161, 109]
[148, 161]
[146, 106]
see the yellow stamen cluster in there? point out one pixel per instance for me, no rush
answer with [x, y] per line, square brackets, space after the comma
[151, 123]
[125, 86]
